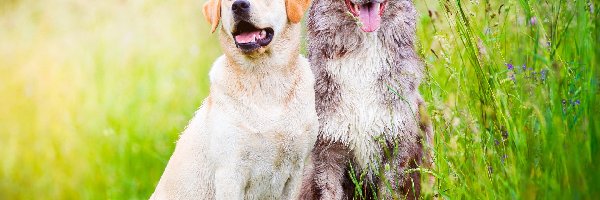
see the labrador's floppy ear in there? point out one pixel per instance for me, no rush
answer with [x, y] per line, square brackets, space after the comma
[212, 13]
[295, 9]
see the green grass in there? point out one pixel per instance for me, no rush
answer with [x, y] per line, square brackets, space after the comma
[93, 95]
[513, 133]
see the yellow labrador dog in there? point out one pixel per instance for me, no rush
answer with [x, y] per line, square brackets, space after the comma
[253, 133]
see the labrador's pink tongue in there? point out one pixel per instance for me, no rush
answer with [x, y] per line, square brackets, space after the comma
[369, 16]
[247, 37]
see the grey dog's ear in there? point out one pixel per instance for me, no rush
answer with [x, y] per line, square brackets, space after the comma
[295, 9]
[212, 13]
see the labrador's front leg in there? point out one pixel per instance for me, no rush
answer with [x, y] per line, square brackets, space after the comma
[229, 184]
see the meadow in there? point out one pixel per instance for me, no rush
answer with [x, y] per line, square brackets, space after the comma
[93, 95]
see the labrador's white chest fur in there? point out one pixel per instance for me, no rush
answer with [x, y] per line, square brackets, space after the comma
[247, 141]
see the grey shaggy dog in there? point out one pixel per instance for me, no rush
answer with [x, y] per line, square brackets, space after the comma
[371, 115]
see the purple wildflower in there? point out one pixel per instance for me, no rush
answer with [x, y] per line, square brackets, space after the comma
[576, 102]
[533, 21]
[510, 66]
[544, 74]
[524, 67]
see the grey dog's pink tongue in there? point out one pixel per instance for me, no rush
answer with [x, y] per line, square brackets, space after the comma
[369, 16]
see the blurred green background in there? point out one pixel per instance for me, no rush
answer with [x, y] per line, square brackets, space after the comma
[93, 95]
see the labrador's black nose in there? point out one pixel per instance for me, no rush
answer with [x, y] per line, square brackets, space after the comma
[241, 7]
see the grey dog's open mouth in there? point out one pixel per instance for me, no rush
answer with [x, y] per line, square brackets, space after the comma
[249, 38]
[369, 14]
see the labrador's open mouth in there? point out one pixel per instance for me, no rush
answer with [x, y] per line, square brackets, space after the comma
[249, 38]
[369, 14]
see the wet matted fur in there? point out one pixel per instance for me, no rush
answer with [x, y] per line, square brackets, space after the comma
[369, 107]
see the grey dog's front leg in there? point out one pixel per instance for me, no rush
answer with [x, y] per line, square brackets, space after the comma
[326, 178]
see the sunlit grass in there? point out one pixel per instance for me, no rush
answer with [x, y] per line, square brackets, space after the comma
[93, 95]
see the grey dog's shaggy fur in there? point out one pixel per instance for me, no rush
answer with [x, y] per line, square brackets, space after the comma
[370, 110]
